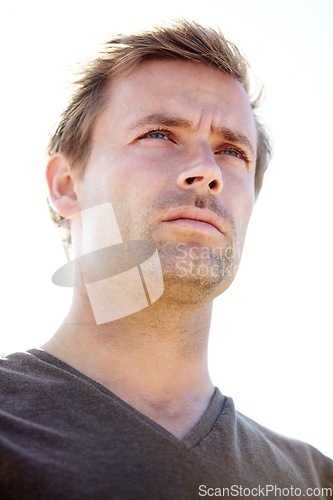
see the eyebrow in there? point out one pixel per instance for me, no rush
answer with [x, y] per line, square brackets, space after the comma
[166, 120]
[162, 119]
[234, 136]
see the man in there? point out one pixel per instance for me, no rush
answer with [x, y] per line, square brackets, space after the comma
[154, 167]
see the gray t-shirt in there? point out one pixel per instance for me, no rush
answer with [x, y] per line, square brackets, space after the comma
[64, 436]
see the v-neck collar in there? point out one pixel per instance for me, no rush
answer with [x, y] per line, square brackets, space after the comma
[189, 441]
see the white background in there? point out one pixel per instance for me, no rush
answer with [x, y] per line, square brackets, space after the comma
[271, 335]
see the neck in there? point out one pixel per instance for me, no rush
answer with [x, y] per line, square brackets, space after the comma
[156, 359]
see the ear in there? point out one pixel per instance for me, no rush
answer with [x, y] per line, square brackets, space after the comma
[61, 182]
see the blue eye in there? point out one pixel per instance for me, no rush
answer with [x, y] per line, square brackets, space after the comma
[160, 134]
[235, 153]
[231, 152]
[157, 135]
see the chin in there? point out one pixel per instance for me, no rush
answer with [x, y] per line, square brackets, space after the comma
[197, 277]
[193, 290]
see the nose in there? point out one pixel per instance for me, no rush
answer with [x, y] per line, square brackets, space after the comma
[201, 173]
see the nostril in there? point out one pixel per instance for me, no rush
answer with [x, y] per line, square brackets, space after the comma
[201, 182]
[190, 180]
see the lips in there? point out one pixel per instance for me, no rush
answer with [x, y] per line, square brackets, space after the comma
[195, 218]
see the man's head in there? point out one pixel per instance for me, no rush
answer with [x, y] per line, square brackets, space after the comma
[184, 40]
[162, 126]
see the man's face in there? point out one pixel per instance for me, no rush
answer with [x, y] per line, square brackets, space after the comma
[174, 152]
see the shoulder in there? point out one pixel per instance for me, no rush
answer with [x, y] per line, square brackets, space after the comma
[17, 365]
[274, 448]
[20, 366]
[30, 375]
[20, 374]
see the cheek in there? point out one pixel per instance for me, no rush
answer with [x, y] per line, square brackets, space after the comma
[239, 195]
[103, 183]
[245, 204]
[239, 187]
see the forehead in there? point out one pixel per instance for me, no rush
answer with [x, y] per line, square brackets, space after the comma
[194, 91]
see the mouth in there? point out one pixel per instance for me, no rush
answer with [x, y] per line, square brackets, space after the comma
[195, 219]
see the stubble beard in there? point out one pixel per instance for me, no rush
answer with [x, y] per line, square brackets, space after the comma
[194, 273]
[191, 272]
